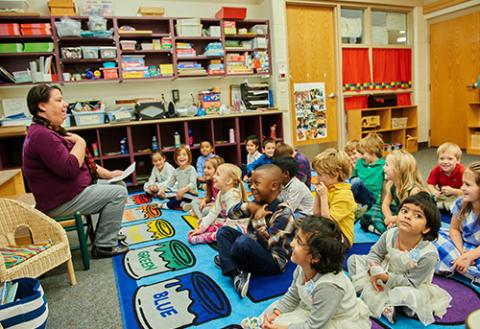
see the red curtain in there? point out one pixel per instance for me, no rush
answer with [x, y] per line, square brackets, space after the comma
[356, 102]
[392, 68]
[355, 69]
[404, 99]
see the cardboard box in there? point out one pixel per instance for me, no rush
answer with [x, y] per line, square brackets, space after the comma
[151, 11]
[62, 11]
[61, 3]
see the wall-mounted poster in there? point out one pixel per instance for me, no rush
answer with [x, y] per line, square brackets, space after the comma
[310, 110]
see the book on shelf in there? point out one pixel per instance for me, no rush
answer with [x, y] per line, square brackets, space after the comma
[6, 76]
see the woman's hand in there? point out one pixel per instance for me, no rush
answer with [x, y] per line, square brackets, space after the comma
[74, 138]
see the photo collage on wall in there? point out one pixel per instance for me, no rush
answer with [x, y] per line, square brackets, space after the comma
[310, 111]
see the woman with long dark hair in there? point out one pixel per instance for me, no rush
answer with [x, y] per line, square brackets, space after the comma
[62, 175]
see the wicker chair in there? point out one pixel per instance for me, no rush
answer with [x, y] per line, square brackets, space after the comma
[16, 216]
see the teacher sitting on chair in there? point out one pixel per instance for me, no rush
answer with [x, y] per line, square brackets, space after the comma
[62, 175]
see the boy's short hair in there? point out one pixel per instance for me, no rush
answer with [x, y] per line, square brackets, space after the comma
[282, 149]
[450, 147]
[275, 173]
[333, 162]
[179, 149]
[267, 141]
[286, 163]
[254, 139]
[207, 141]
[372, 143]
[351, 147]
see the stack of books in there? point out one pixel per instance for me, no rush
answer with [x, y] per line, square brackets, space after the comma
[36, 29]
[8, 291]
[185, 49]
[190, 68]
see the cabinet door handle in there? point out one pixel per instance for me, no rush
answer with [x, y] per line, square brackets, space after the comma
[332, 95]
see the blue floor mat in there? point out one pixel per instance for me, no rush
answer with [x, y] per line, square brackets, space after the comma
[164, 282]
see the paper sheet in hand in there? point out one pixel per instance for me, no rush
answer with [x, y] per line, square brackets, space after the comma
[127, 172]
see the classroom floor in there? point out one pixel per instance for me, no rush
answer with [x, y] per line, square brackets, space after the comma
[94, 303]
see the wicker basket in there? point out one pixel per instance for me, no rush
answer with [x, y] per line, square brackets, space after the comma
[399, 122]
[411, 142]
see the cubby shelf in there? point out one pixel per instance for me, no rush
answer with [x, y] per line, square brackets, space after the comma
[473, 128]
[160, 27]
[380, 120]
[139, 134]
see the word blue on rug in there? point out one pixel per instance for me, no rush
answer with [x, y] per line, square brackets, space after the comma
[164, 282]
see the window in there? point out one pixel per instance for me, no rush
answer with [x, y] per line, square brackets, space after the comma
[351, 26]
[389, 28]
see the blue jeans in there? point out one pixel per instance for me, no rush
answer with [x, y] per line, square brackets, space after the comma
[361, 193]
[240, 252]
[173, 203]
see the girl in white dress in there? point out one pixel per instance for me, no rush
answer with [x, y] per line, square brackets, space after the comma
[321, 295]
[398, 271]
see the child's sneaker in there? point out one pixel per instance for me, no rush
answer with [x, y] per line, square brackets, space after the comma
[216, 260]
[164, 206]
[241, 282]
[251, 323]
[390, 314]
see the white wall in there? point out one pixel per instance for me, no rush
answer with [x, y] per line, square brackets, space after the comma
[275, 10]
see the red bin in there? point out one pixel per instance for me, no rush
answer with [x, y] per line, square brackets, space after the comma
[231, 13]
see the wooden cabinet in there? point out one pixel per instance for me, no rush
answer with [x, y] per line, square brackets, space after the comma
[397, 125]
[473, 128]
[254, 51]
[139, 139]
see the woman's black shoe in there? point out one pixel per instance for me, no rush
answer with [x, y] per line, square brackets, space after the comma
[106, 252]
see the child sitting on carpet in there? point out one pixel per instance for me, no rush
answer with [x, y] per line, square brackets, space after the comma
[201, 207]
[228, 181]
[206, 152]
[398, 270]
[321, 295]
[459, 248]
[266, 157]
[369, 170]
[403, 179]
[445, 179]
[334, 197]
[303, 168]
[265, 249]
[161, 172]
[183, 180]
[363, 196]
[294, 192]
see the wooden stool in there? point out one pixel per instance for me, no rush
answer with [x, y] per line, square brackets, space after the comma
[76, 223]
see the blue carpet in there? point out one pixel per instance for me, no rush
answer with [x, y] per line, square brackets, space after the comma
[164, 282]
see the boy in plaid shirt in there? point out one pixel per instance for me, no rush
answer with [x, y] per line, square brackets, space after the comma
[265, 249]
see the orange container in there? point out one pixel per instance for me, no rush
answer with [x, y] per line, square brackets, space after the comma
[232, 13]
[109, 74]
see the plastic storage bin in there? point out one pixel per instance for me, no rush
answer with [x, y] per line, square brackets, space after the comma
[128, 44]
[231, 13]
[108, 52]
[90, 52]
[189, 30]
[72, 52]
[89, 117]
[147, 46]
[109, 73]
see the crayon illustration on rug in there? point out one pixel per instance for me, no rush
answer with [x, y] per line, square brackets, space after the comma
[164, 282]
